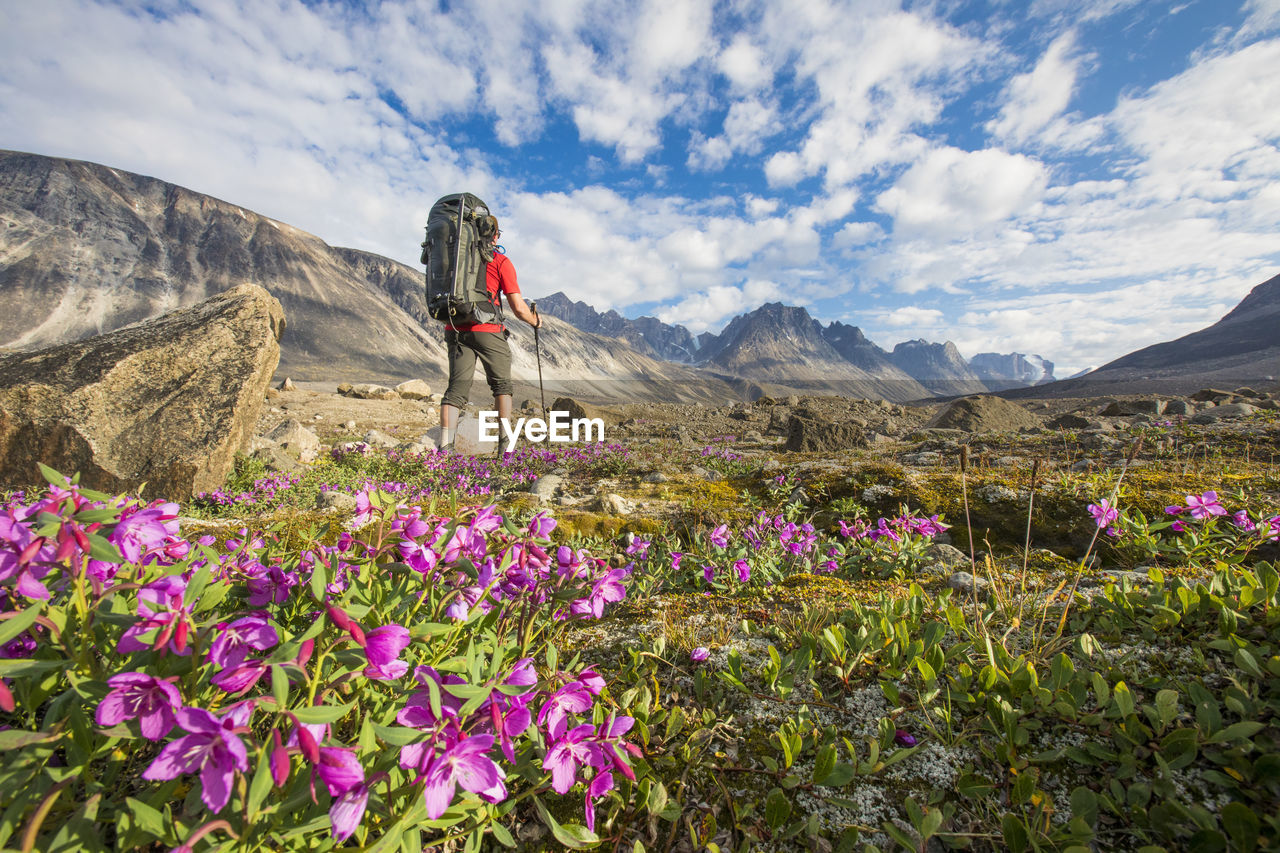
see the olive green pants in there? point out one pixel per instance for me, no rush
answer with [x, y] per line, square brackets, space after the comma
[495, 357]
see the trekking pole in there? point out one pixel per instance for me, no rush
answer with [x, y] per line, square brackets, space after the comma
[537, 348]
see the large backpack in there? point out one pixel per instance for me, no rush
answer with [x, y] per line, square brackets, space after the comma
[458, 248]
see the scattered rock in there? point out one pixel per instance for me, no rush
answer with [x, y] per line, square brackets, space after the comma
[1070, 421]
[923, 458]
[616, 504]
[983, 413]
[349, 425]
[378, 438]
[1178, 408]
[811, 435]
[655, 477]
[277, 458]
[340, 501]
[967, 584]
[545, 487]
[366, 391]
[1125, 408]
[1224, 412]
[287, 385]
[414, 389]
[1212, 395]
[167, 402]
[296, 440]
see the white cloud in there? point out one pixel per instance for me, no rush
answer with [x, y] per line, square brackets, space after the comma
[1263, 17]
[744, 64]
[1034, 99]
[704, 310]
[857, 234]
[914, 317]
[954, 192]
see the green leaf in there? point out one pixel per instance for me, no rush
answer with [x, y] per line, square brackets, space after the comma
[1237, 731]
[824, 763]
[280, 686]
[1242, 825]
[195, 587]
[261, 785]
[15, 668]
[899, 835]
[318, 582]
[1167, 706]
[95, 516]
[146, 818]
[777, 808]
[101, 549]
[1124, 699]
[17, 738]
[502, 835]
[401, 735]
[1249, 663]
[839, 776]
[1015, 834]
[19, 622]
[931, 823]
[321, 713]
[657, 799]
[574, 836]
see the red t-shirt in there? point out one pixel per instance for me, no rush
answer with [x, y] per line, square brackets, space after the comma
[500, 276]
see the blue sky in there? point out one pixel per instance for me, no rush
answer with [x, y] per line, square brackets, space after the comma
[1071, 178]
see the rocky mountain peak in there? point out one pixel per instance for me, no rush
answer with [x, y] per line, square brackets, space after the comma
[938, 367]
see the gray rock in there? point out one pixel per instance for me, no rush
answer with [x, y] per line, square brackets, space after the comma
[545, 487]
[296, 440]
[1071, 421]
[1214, 395]
[414, 389]
[655, 477]
[340, 501]
[616, 504]
[287, 385]
[925, 457]
[967, 584]
[1125, 408]
[1177, 407]
[791, 400]
[946, 555]
[168, 402]
[367, 391]
[812, 435]
[277, 458]
[1224, 412]
[378, 438]
[349, 425]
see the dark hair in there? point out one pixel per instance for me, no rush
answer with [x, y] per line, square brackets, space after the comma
[488, 227]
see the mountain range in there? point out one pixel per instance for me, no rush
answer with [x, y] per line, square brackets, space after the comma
[783, 345]
[85, 249]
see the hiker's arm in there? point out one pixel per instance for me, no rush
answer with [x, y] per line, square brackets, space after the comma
[521, 309]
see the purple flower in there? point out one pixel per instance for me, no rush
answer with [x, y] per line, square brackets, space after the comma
[163, 612]
[676, 556]
[212, 748]
[904, 738]
[241, 678]
[709, 573]
[606, 590]
[383, 647]
[638, 547]
[720, 536]
[569, 753]
[145, 530]
[573, 697]
[232, 642]
[541, 525]
[1241, 520]
[144, 697]
[273, 585]
[1204, 506]
[600, 785]
[699, 654]
[348, 810]
[1103, 512]
[463, 763]
[743, 569]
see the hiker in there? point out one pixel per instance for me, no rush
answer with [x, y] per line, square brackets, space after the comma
[488, 341]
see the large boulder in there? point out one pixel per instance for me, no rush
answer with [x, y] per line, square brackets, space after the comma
[982, 413]
[815, 435]
[167, 402]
